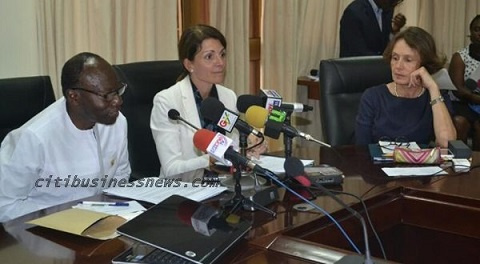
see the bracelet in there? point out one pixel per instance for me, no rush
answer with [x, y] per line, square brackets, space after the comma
[436, 100]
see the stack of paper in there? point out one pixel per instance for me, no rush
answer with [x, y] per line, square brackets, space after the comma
[414, 171]
[275, 164]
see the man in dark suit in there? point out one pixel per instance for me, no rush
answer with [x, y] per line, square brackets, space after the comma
[366, 27]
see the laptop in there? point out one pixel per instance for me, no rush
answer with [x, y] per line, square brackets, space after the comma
[173, 226]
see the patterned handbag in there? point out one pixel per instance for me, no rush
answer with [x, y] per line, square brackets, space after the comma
[417, 156]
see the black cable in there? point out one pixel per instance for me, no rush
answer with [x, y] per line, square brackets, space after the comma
[258, 144]
[365, 209]
[366, 213]
[368, 218]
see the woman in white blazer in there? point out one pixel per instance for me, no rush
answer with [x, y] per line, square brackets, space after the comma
[202, 50]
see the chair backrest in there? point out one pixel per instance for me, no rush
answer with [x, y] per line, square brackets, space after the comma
[342, 82]
[21, 99]
[144, 79]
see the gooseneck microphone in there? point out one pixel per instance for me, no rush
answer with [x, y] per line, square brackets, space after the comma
[294, 167]
[215, 111]
[260, 117]
[175, 115]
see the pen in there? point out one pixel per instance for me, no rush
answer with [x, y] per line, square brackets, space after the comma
[104, 203]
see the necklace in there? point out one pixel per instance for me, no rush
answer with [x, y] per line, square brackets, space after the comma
[396, 93]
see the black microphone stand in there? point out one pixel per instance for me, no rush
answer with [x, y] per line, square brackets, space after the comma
[239, 199]
[248, 179]
[287, 140]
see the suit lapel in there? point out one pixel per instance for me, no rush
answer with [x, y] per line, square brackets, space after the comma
[370, 14]
[188, 102]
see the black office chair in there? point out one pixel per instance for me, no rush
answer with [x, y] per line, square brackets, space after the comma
[21, 99]
[145, 80]
[342, 82]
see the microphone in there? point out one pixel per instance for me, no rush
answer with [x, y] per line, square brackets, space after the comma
[296, 171]
[245, 101]
[203, 218]
[294, 166]
[212, 143]
[299, 180]
[295, 107]
[259, 117]
[215, 111]
[175, 115]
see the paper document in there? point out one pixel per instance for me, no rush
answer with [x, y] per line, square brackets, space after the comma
[414, 171]
[155, 190]
[442, 78]
[275, 164]
[133, 209]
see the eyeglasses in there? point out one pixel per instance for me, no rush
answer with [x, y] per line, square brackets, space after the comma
[387, 143]
[108, 96]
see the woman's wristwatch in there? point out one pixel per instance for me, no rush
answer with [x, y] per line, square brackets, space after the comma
[436, 100]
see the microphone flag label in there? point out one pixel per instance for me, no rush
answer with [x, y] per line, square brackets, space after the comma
[273, 99]
[217, 147]
[278, 116]
[227, 120]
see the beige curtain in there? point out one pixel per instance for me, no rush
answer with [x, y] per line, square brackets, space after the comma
[231, 17]
[318, 39]
[280, 33]
[119, 30]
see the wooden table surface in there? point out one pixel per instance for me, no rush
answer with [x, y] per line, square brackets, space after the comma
[23, 243]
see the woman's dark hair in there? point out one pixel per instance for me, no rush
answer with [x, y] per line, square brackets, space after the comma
[191, 42]
[73, 68]
[421, 41]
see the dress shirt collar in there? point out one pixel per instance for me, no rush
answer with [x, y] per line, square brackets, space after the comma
[198, 101]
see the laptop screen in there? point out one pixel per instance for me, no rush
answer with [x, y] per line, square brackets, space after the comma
[179, 225]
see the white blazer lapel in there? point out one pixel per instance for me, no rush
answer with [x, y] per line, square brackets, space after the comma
[188, 102]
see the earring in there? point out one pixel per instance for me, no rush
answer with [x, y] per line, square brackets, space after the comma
[191, 70]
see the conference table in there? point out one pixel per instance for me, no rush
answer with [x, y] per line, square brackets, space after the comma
[422, 219]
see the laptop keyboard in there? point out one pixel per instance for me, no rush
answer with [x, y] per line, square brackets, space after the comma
[145, 254]
[159, 256]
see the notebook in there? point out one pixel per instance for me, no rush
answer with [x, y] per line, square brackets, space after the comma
[168, 226]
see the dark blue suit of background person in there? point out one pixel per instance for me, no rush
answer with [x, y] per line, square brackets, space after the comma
[360, 33]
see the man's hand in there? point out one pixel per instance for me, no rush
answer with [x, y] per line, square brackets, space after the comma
[398, 22]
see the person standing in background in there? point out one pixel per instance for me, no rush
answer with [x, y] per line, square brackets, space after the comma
[367, 26]
[466, 100]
